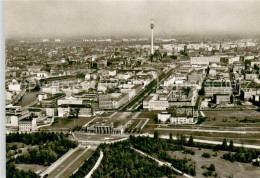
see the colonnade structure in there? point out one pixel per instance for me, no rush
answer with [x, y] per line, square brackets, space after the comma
[105, 128]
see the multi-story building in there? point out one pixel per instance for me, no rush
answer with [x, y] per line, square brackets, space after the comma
[27, 125]
[204, 60]
[154, 102]
[132, 90]
[182, 120]
[251, 76]
[222, 98]
[14, 86]
[217, 87]
[196, 76]
[51, 101]
[113, 100]
[183, 96]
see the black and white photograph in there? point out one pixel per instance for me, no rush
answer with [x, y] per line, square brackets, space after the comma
[130, 88]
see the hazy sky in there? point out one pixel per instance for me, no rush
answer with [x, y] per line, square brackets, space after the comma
[51, 18]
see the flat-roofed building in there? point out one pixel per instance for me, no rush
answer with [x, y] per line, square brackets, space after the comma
[154, 102]
[164, 116]
[196, 76]
[113, 100]
[222, 98]
[205, 60]
[27, 124]
[182, 120]
[217, 87]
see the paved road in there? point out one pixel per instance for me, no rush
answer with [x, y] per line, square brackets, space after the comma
[139, 102]
[74, 161]
[211, 131]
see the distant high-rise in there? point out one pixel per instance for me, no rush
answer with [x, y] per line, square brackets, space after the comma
[152, 26]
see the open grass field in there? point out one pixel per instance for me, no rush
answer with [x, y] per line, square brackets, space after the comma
[106, 114]
[248, 124]
[248, 141]
[68, 123]
[223, 167]
[149, 128]
[251, 114]
[136, 122]
[118, 118]
[32, 167]
[148, 114]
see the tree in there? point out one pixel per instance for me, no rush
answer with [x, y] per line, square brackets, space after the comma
[232, 99]
[224, 144]
[155, 134]
[164, 54]
[190, 141]
[207, 70]
[183, 139]
[231, 145]
[157, 55]
[151, 58]
[80, 75]
[211, 167]
[202, 92]
[205, 155]
[174, 57]
[193, 171]
[170, 136]
[239, 102]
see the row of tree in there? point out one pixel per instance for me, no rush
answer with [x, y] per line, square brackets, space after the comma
[34, 138]
[241, 157]
[87, 165]
[181, 140]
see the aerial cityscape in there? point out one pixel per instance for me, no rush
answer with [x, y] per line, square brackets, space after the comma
[147, 97]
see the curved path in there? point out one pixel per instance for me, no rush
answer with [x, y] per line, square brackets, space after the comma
[96, 165]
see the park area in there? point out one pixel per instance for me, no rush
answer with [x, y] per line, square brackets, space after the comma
[236, 114]
[35, 151]
[194, 159]
[67, 123]
[223, 168]
[247, 138]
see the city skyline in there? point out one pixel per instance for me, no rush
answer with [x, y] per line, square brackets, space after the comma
[26, 19]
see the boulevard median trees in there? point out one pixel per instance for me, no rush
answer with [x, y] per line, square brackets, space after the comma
[156, 135]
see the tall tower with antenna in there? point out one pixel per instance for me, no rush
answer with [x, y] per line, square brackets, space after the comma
[152, 26]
